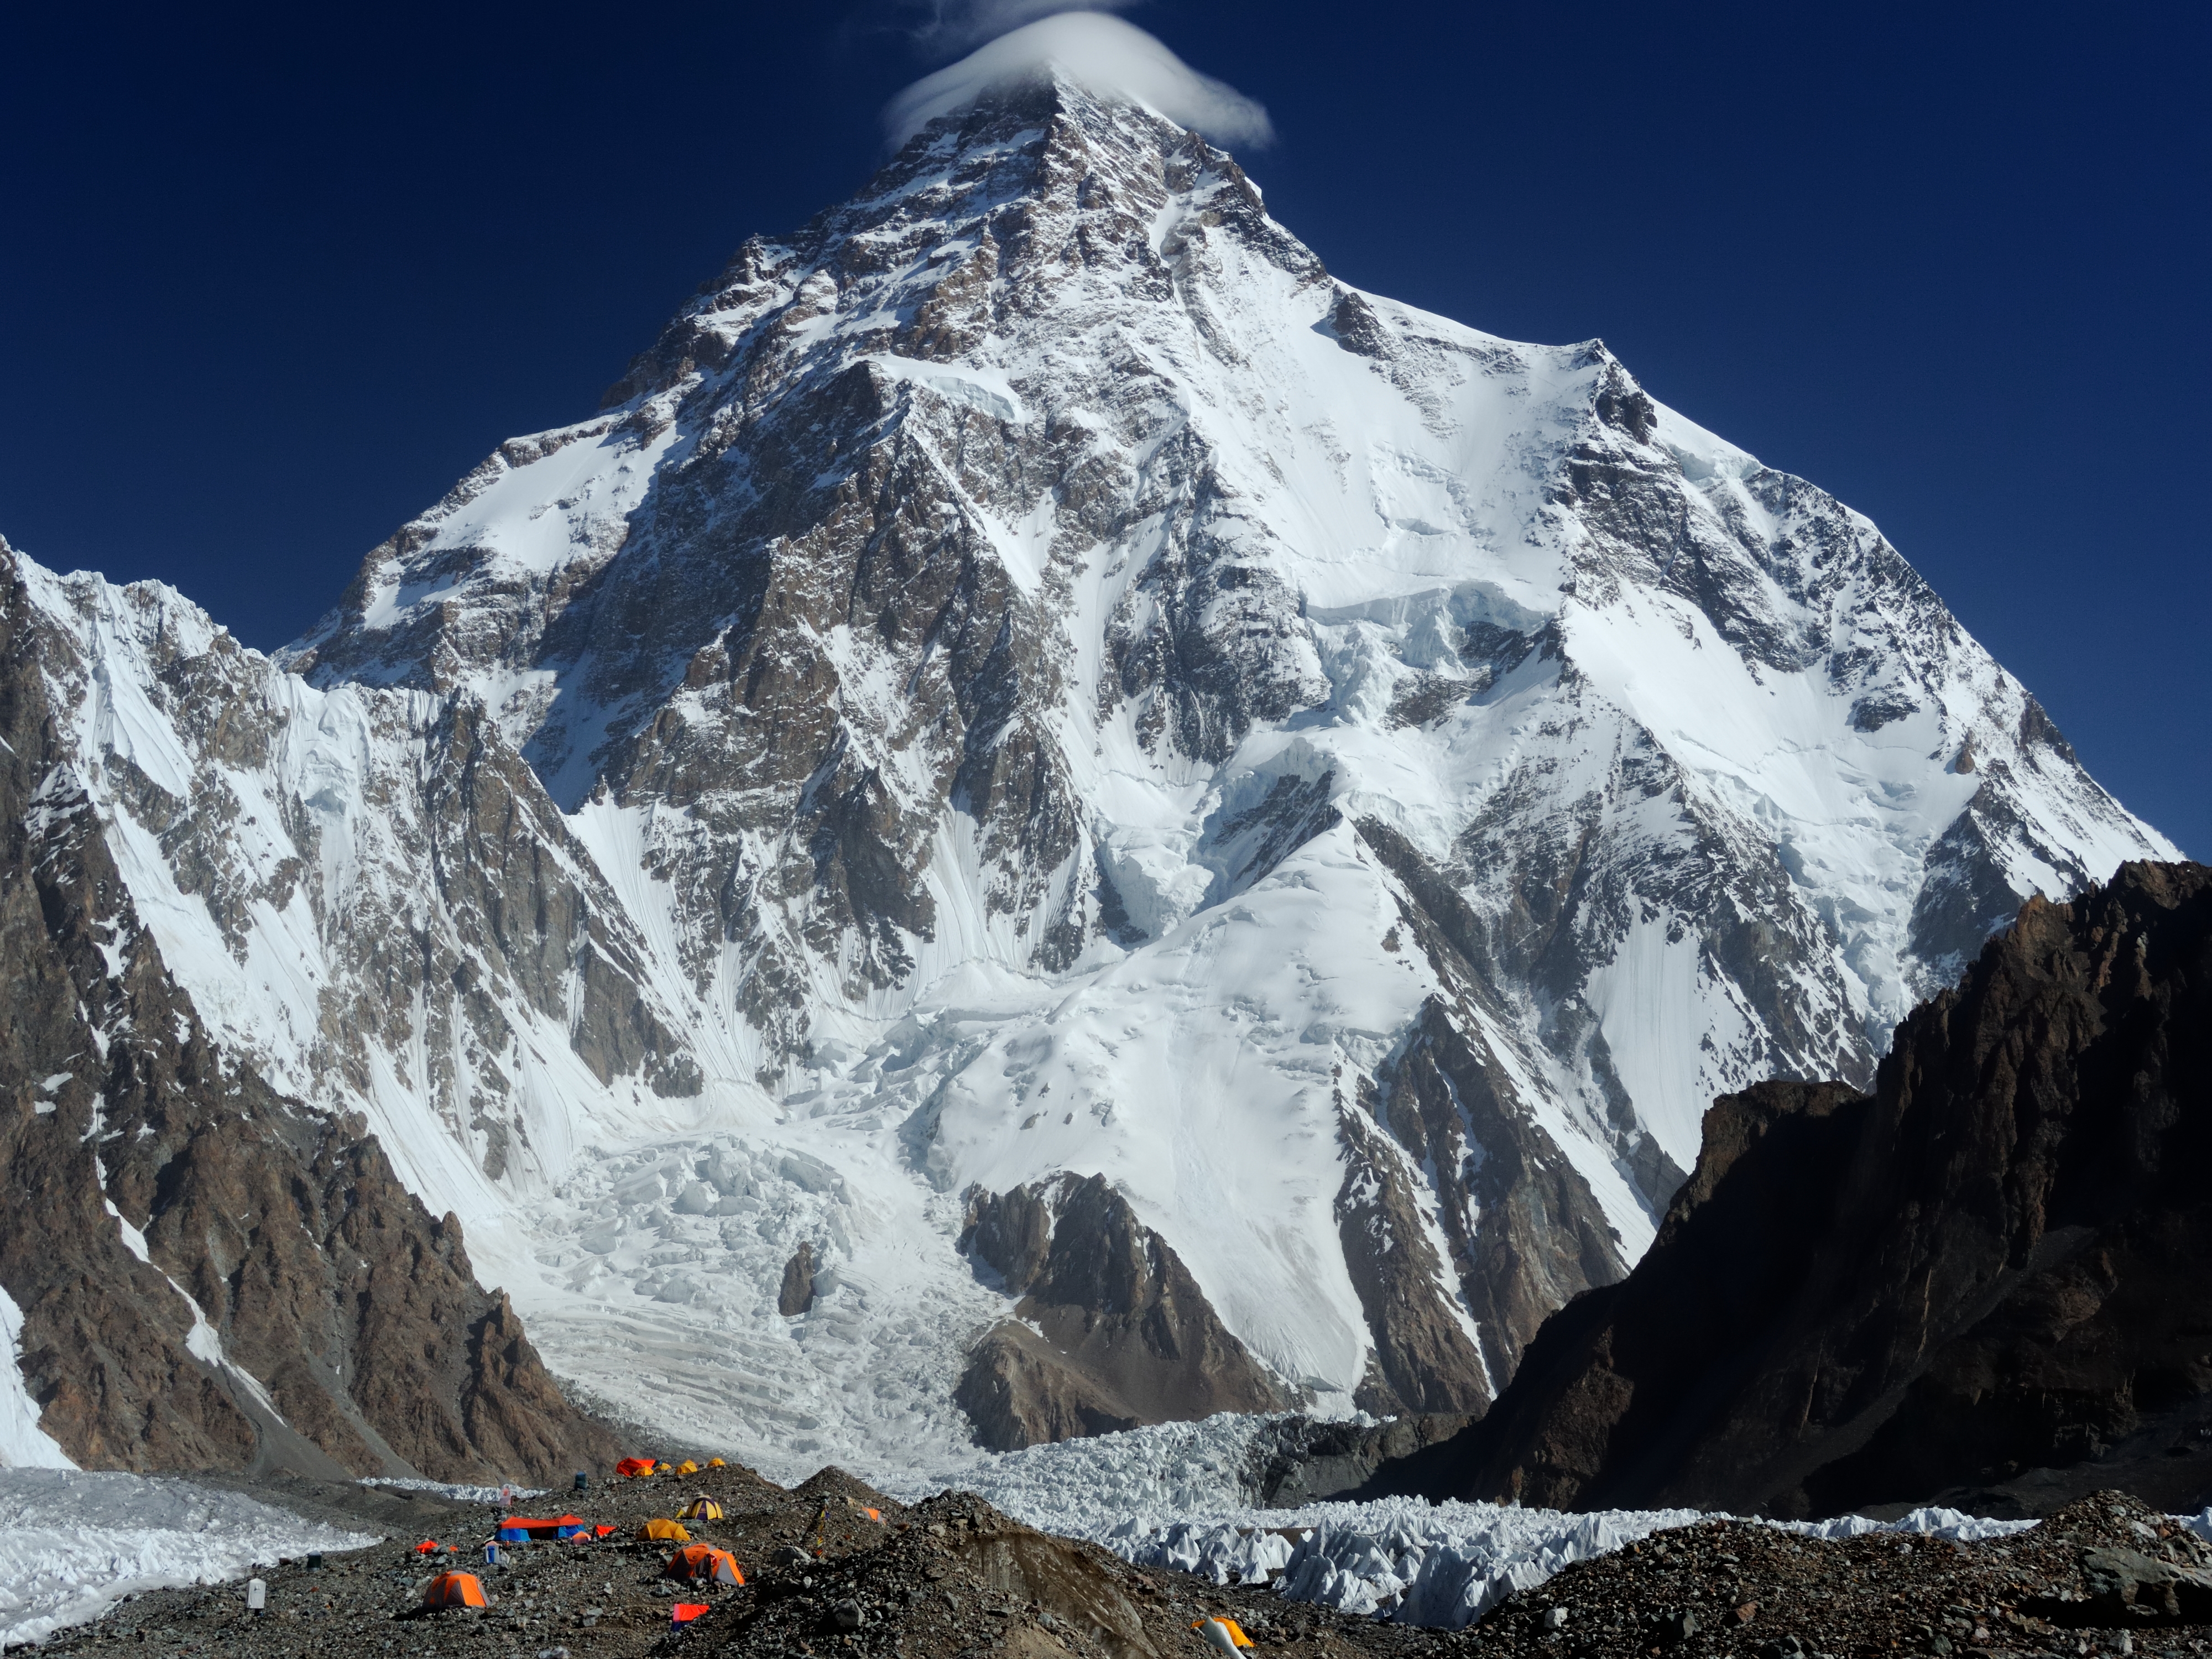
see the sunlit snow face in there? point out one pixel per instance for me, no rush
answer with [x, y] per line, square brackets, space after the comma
[1102, 54]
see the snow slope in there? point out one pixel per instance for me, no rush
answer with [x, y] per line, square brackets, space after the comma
[72, 1545]
[23, 1445]
[1032, 674]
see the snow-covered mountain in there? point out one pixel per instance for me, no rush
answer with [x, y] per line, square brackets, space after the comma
[1030, 677]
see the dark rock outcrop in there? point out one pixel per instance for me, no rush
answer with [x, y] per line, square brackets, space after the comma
[1302, 1460]
[1423, 1358]
[213, 1276]
[796, 1294]
[1996, 1263]
[1117, 1332]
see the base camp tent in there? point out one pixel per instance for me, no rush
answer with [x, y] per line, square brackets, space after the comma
[703, 1563]
[454, 1589]
[516, 1529]
[687, 1466]
[700, 1509]
[630, 1467]
[665, 1532]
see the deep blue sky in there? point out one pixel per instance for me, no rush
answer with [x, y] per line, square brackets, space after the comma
[269, 280]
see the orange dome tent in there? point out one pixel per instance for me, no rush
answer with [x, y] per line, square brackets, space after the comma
[455, 1590]
[630, 1467]
[665, 1532]
[703, 1563]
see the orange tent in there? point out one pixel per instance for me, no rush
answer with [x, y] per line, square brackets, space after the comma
[428, 1547]
[1229, 1627]
[666, 1532]
[634, 1466]
[716, 1463]
[685, 1611]
[455, 1590]
[704, 1561]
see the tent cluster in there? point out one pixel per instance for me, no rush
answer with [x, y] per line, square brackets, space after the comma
[699, 1565]
[632, 1468]
[522, 1529]
[515, 1529]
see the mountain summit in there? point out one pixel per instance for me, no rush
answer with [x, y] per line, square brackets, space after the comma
[1031, 679]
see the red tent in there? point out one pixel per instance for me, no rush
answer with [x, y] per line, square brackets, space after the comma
[687, 1611]
[634, 1466]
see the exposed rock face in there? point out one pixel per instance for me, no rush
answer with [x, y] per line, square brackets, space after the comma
[1296, 1460]
[1032, 674]
[2001, 1259]
[212, 1276]
[796, 1294]
[1123, 1334]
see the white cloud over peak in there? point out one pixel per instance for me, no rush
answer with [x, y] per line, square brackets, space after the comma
[945, 26]
[1103, 54]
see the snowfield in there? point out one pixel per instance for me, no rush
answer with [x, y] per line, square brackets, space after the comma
[72, 1545]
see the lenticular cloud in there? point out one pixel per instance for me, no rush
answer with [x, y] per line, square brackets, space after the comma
[1105, 55]
[953, 26]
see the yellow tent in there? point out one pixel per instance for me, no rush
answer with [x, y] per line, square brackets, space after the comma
[716, 1463]
[666, 1532]
[702, 1509]
[687, 1466]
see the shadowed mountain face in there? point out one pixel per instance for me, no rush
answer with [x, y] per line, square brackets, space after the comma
[212, 1276]
[1991, 1277]
[1032, 674]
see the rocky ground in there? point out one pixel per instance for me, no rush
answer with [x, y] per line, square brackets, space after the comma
[952, 1577]
[2104, 1575]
